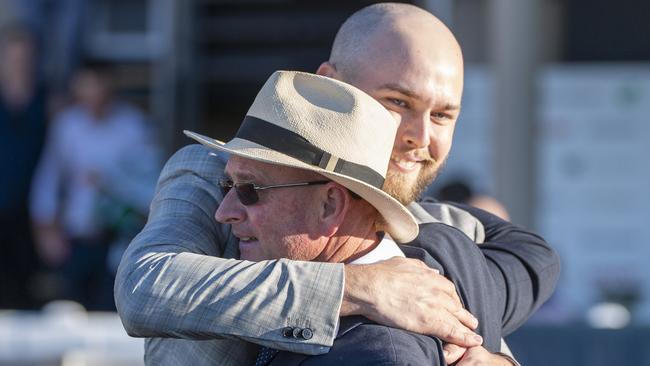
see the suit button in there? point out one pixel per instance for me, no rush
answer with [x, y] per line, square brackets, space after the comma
[307, 333]
[287, 332]
[296, 333]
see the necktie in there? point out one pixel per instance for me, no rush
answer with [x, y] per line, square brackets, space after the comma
[265, 356]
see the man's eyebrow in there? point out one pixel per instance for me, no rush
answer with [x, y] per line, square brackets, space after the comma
[402, 90]
[451, 107]
[240, 176]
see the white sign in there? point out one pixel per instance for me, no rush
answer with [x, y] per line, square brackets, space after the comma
[593, 171]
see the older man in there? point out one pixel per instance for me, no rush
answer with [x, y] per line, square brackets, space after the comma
[298, 186]
[171, 283]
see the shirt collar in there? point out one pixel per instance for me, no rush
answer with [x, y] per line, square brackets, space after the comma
[386, 249]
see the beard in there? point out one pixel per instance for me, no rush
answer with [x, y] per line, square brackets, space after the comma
[406, 189]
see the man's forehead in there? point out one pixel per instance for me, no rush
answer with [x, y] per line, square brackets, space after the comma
[418, 61]
[429, 79]
[248, 169]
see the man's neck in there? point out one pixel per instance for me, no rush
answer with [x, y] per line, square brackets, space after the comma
[386, 249]
[346, 248]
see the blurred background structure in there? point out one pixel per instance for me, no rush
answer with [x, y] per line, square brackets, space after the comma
[554, 125]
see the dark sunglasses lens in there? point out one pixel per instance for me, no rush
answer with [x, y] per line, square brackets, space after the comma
[246, 193]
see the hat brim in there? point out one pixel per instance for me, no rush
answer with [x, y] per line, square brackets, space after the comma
[400, 223]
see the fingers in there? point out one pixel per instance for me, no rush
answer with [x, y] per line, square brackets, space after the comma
[405, 293]
[466, 318]
[452, 331]
[453, 309]
[453, 304]
[453, 353]
[447, 319]
[476, 356]
[444, 284]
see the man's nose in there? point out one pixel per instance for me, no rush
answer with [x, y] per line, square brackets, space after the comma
[230, 211]
[415, 131]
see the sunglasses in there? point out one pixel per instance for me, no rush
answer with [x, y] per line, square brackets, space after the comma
[247, 192]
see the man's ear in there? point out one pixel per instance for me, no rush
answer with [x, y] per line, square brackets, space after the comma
[335, 205]
[327, 69]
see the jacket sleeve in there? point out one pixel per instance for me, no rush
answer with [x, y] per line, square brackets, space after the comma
[521, 263]
[460, 260]
[171, 281]
[374, 345]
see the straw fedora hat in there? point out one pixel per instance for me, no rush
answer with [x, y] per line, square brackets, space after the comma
[315, 123]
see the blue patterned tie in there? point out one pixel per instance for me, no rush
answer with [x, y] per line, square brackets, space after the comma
[265, 356]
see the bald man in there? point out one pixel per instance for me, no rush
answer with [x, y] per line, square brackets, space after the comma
[393, 52]
[172, 283]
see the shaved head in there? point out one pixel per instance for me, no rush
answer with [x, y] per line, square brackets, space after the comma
[410, 62]
[387, 27]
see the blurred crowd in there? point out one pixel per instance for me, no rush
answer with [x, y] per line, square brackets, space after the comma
[78, 162]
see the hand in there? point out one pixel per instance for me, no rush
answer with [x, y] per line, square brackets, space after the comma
[479, 356]
[405, 293]
[453, 353]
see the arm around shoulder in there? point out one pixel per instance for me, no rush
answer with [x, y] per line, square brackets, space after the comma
[172, 283]
[525, 265]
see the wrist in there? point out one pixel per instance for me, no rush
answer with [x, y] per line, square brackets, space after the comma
[356, 291]
[504, 359]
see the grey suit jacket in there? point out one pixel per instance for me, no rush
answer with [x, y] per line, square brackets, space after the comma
[172, 283]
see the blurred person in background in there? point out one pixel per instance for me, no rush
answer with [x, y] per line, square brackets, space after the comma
[92, 186]
[461, 192]
[22, 134]
[8, 13]
[58, 23]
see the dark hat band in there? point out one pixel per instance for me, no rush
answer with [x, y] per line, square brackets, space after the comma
[292, 144]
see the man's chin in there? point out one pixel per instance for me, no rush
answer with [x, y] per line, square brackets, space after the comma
[247, 257]
[400, 186]
[249, 253]
[407, 187]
